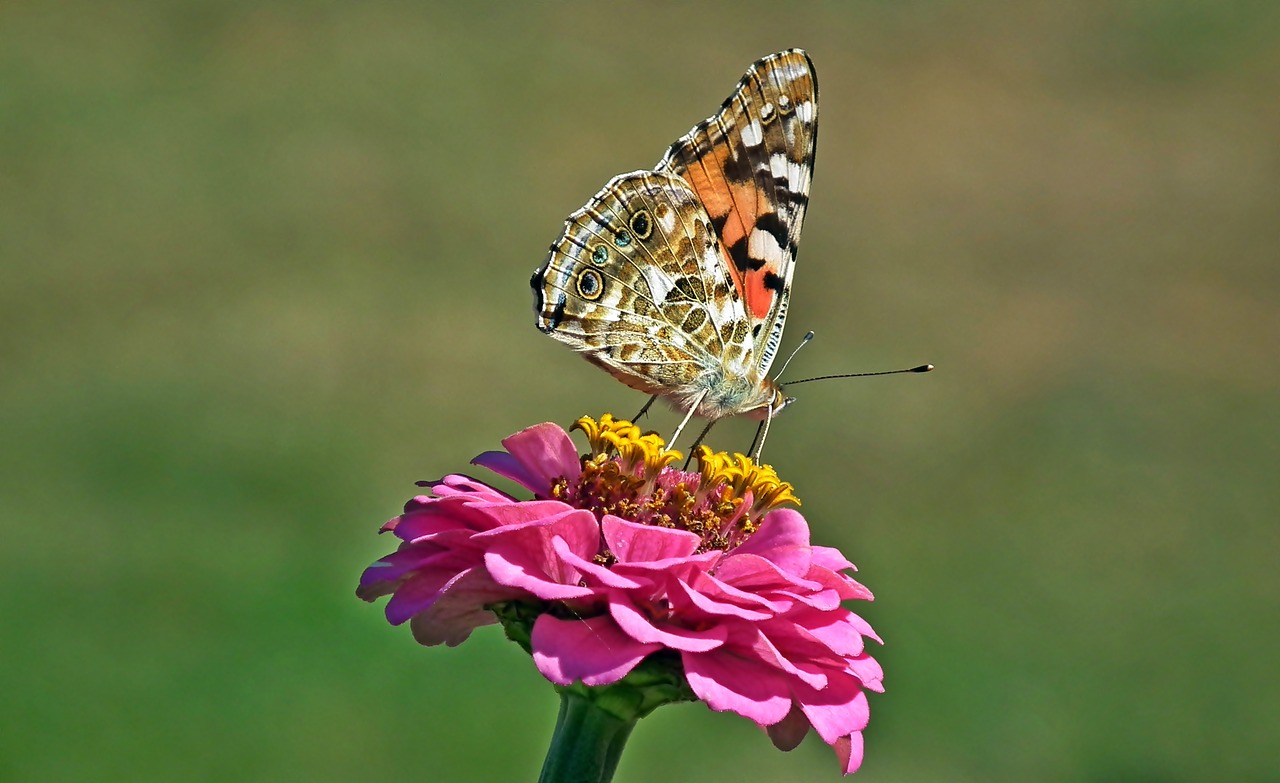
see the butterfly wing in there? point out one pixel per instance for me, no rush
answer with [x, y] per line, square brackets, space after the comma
[750, 165]
[637, 283]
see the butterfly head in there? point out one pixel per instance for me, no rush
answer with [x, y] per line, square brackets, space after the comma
[777, 402]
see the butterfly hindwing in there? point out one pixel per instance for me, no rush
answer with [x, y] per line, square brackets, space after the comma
[751, 165]
[636, 282]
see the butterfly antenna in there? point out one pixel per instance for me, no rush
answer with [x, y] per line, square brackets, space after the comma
[921, 368]
[803, 342]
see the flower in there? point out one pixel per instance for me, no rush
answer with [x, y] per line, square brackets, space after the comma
[619, 557]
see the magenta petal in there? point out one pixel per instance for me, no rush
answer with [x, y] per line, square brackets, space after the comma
[507, 466]
[822, 600]
[788, 733]
[593, 650]
[605, 577]
[416, 595]
[867, 669]
[632, 542]
[687, 568]
[448, 624]
[832, 558]
[730, 683]
[636, 625]
[863, 627]
[535, 577]
[535, 457]
[713, 607]
[756, 573]
[525, 557]
[836, 630]
[471, 516]
[837, 710]
[783, 538]
[458, 610]
[849, 751]
[713, 586]
[457, 484]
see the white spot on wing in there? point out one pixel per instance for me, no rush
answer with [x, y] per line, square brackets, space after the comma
[659, 284]
[793, 173]
[804, 111]
[764, 246]
[753, 134]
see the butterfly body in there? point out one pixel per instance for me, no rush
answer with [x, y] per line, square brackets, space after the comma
[676, 280]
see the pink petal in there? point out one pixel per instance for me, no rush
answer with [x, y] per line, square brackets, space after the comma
[712, 606]
[534, 458]
[449, 624]
[417, 594]
[867, 669]
[471, 586]
[593, 650]
[479, 519]
[763, 650]
[632, 542]
[836, 710]
[863, 627]
[847, 587]
[728, 682]
[783, 539]
[754, 573]
[457, 484]
[673, 567]
[849, 751]
[459, 609]
[832, 558]
[636, 625]
[535, 577]
[446, 514]
[387, 573]
[710, 585]
[525, 557]
[822, 600]
[837, 631]
[788, 733]
[604, 577]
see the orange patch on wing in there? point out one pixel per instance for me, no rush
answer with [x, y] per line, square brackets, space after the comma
[736, 204]
[759, 299]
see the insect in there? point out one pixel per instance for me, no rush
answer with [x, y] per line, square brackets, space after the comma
[676, 280]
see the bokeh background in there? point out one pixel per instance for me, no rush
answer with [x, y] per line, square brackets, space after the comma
[264, 265]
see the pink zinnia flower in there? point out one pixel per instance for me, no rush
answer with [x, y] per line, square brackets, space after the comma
[620, 557]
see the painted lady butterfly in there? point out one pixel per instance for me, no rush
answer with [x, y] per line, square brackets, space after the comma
[676, 280]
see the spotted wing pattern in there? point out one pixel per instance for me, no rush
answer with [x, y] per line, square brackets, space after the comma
[751, 164]
[675, 280]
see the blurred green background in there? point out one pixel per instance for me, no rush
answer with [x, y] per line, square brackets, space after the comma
[264, 265]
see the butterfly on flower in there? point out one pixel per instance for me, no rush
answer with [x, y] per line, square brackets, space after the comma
[676, 280]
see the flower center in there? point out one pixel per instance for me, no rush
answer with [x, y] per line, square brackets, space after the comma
[628, 474]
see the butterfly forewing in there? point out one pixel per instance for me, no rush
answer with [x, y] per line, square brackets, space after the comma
[751, 164]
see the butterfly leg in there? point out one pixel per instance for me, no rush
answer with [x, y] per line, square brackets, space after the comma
[701, 437]
[698, 401]
[644, 410]
[762, 432]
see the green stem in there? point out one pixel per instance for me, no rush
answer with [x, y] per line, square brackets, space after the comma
[587, 744]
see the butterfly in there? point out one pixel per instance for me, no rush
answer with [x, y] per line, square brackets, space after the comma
[676, 280]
